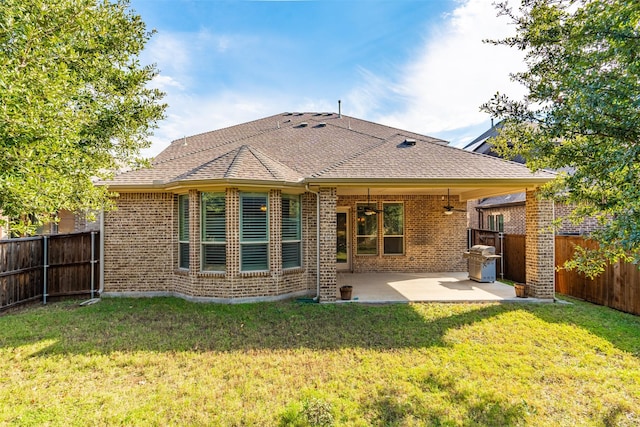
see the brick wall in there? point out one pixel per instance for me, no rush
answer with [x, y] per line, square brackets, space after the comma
[433, 241]
[515, 222]
[587, 225]
[139, 243]
[539, 247]
[141, 251]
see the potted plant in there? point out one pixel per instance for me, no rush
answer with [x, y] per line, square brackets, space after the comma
[521, 290]
[345, 292]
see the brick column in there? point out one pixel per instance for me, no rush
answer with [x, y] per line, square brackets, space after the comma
[540, 269]
[328, 283]
[232, 211]
[309, 238]
[194, 232]
[275, 232]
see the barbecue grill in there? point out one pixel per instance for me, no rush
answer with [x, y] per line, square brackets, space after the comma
[482, 263]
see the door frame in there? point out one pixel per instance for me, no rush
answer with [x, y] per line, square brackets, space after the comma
[345, 266]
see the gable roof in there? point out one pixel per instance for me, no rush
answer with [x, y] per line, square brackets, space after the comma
[307, 148]
[482, 144]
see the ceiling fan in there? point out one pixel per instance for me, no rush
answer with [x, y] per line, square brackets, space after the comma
[449, 209]
[368, 210]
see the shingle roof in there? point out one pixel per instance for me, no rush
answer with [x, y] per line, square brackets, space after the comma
[298, 147]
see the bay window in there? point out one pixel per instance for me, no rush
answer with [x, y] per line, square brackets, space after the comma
[291, 238]
[183, 231]
[214, 231]
[254, 232]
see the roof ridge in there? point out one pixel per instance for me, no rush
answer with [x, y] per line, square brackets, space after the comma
[211, 147]
[430, 139]
[261, 156]
[204, 165]
[235, 162]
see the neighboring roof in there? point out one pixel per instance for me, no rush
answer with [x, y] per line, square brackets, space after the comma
[502, 201]
[482, 144]
[299, 148]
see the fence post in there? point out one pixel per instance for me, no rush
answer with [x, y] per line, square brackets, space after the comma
[501, 238]
[93, 261]
[45, 262]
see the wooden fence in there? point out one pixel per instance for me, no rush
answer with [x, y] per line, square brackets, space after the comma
[618, 287]
[48, 266]
[510, 246]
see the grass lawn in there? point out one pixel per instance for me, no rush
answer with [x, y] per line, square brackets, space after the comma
[166, 361]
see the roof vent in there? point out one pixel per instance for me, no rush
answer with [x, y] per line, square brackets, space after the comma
[328, 114]
[410, 142]
[303, 125]
[321, 125]
[299, 114]
[288, 114]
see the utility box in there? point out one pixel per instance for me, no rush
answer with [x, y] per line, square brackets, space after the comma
[482, 263]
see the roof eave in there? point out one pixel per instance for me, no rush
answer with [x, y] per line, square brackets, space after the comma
[177, 186]
[432, 182]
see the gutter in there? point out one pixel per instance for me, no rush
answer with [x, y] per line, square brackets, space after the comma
[317, 297]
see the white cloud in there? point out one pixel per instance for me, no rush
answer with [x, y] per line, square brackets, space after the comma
[454, 72]
[437, 93]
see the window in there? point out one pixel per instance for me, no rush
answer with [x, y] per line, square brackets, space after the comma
[367, 231]
[183, 231]
[291, 241]
[393, 228]
[254, 232]
[496, 222]
[214, 227]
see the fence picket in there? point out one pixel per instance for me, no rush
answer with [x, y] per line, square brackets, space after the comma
[69, 273]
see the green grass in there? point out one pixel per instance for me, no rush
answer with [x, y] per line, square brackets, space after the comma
[166, 361]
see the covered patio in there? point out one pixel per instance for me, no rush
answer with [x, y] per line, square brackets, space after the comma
[425, 287]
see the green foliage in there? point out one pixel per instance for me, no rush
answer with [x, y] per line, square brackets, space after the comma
[581, 114]
[74, 105]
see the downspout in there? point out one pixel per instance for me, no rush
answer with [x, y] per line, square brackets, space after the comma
[317, 297]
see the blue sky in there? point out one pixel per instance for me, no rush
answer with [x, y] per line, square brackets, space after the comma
[418, 65]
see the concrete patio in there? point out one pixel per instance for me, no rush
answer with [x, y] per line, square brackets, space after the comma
[433, 287]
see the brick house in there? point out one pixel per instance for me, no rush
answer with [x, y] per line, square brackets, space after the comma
[507, 212]
[274, 208]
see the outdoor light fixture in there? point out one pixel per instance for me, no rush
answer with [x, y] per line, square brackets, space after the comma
[263, 208]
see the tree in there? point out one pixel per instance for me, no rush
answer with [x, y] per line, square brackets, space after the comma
[74, 103]
[581, 115]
